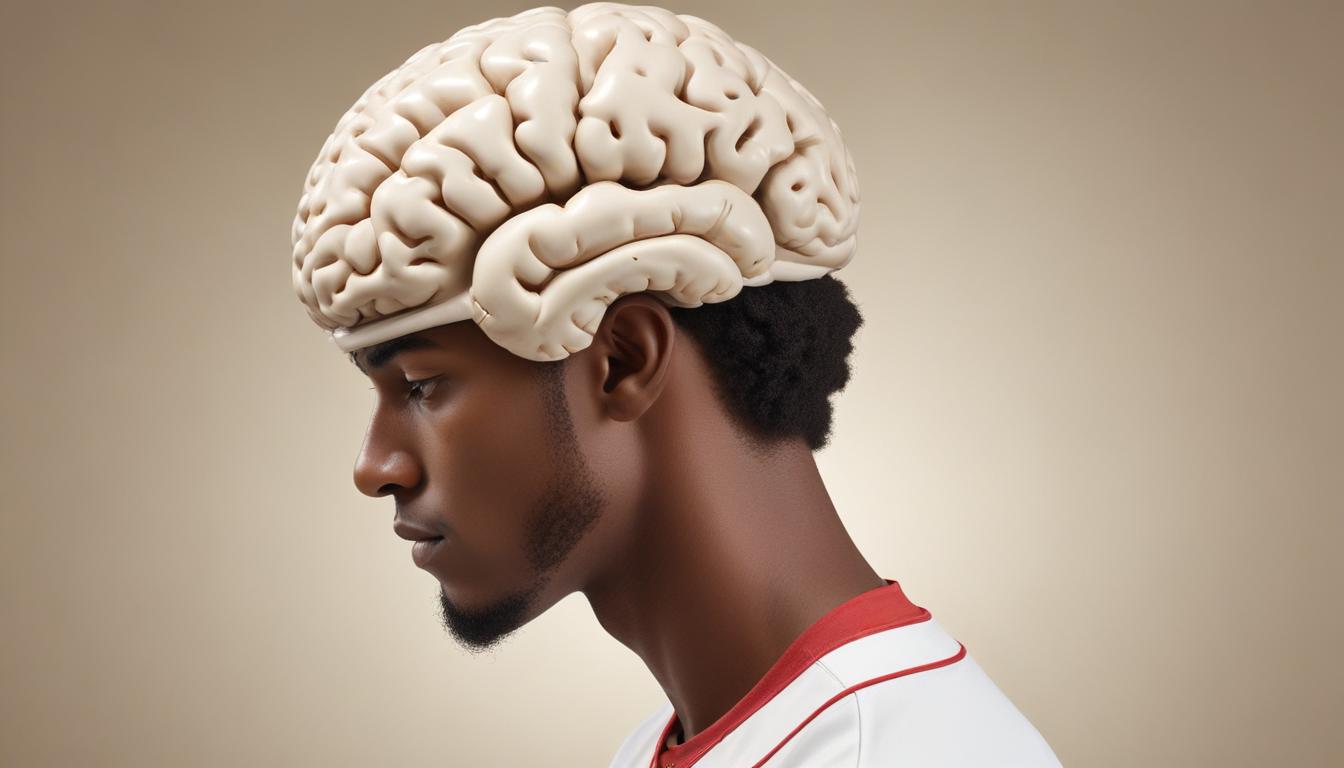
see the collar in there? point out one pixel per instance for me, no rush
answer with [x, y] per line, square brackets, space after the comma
[876, 610]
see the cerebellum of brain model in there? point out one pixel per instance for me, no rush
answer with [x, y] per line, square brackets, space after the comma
[530, 170]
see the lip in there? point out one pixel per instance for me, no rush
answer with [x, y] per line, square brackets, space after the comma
[425, 541]
[413, 531]
[423, 551]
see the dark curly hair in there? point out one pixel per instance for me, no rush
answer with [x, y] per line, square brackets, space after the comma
[777, 353]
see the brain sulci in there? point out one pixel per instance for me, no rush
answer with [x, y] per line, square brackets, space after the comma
[529, 170]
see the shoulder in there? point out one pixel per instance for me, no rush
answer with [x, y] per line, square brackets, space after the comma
[953, 716]
[912, 697]
[907, 695]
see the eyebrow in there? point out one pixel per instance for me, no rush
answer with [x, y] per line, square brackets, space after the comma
[381, 354]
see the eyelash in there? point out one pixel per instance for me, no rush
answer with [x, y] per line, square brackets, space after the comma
[417, 387]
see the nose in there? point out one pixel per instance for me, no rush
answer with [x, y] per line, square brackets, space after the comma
[382, 467]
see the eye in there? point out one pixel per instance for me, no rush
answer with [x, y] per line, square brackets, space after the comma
[419, 389]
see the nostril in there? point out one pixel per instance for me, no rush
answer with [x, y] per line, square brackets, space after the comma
[380, 472]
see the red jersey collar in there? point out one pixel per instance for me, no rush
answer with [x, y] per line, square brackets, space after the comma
[873, 611]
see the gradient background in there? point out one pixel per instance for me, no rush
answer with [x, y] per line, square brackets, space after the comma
[1095, 424]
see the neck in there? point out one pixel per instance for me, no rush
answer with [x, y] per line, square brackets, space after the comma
[735, 555]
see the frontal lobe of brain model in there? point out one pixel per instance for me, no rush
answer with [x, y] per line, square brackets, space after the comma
[529, 170]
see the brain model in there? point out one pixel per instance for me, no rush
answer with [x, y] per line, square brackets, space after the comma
[529, 170]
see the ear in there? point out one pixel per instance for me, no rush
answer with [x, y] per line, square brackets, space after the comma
[631, 355]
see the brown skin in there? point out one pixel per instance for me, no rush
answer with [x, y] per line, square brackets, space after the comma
[704, 555]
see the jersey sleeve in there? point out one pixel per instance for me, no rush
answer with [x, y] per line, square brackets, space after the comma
[953, 717]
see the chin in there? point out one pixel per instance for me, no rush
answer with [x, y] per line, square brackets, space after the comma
[478, 625]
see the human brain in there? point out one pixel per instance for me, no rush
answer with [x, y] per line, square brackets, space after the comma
[531, 169]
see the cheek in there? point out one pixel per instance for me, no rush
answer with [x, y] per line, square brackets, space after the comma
[487, 465]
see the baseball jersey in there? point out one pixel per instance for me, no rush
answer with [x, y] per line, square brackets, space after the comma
[874, 682]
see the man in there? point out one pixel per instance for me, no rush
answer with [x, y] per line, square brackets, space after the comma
[640, 218]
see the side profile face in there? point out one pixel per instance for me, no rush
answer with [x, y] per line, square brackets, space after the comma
[476, 446]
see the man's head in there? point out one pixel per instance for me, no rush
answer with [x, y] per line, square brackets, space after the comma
[534, 473]
[584, 186]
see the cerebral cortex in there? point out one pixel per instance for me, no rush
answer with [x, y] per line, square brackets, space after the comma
[534, 168]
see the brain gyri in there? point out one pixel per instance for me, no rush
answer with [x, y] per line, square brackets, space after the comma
[531, 169]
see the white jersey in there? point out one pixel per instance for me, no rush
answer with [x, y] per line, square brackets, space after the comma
[874, 683]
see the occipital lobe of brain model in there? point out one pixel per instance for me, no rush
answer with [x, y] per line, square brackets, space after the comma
[529, 170]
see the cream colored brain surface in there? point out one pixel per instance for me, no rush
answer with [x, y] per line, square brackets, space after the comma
[530, 170]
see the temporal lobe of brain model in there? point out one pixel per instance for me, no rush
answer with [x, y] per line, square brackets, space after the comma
[529, 170]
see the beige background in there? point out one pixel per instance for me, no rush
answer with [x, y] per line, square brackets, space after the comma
[1095, 425]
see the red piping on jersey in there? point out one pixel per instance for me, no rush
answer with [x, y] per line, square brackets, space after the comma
[873, 611]
[954, 658]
